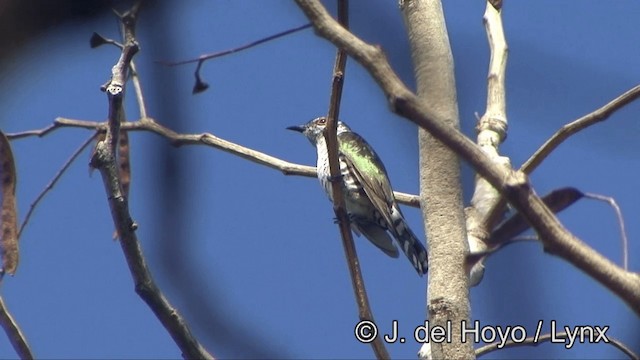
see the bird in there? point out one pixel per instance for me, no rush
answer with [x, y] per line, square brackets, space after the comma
[370, 203]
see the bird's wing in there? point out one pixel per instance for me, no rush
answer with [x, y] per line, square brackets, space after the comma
[369, 171]
[372, 176]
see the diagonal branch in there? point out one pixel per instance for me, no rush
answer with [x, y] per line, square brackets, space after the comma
[104, 159]
[563, 134]
[512, 184]
[16, 337]
[53, 181]
[535, 341]
[580, 124]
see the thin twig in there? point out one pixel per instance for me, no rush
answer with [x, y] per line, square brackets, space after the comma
[623, 233]
[200, 84]
[207, 139]
[104, 159]
[28, 133]
[218, 54]
[135, 80]
[15, 335]
[580, 124]
[533, 341]
[54, 180]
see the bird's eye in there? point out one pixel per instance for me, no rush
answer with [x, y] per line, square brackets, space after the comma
[322, 121]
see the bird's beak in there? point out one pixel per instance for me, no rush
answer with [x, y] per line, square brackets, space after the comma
[297, 128]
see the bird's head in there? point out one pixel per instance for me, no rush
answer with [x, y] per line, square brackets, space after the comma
[314, 129]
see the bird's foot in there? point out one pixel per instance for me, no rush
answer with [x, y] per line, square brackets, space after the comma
[334, 179]
[351, 218]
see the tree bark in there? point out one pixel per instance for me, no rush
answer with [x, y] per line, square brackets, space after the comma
[440, 185]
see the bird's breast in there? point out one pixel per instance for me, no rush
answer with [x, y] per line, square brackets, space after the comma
[355, 199]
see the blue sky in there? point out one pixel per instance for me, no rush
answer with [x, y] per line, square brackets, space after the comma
[251, 257]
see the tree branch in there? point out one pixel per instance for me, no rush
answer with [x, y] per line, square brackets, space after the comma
[532, 341]
[15, 335]
[104, 159]
[9, 247]
[492, 126]
[492, 131]
[562, 135]
[200, 85]
[580, 124]
[440, 185]
[511, 184]
[207, 139]
[54, 180]
[218, 54]
[339, 206]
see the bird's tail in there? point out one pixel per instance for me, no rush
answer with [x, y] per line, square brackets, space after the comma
[409, 243]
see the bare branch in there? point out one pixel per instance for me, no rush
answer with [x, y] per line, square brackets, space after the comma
[135, 80]
[580, 124]
[200, 85]
[104, 159]
[54, 180]
[492, 126]
[339, 206]
[218, 54]
[39, 133]
[511, 184]
[207, 139]
[560, 136]
[623, 233]
[532, 341]
[492, 131]
[15, 335]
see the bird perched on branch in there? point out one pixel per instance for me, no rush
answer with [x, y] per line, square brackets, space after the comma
[369, 199]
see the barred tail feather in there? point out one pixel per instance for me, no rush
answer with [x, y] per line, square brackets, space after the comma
[413, 249]
[409, 243]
